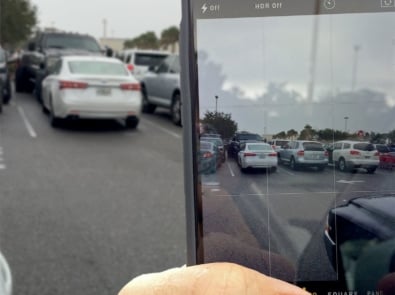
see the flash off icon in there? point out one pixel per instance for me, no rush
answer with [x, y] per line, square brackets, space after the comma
[387, 3]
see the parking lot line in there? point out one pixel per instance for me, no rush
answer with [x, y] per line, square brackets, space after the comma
[230, 170]
[281, 170]
[178, 136]
[28, 125]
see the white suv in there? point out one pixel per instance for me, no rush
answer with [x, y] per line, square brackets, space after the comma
[350, 155]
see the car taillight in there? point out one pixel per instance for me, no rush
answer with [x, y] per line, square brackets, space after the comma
[326, 154]
[354, 153]
[249, 154]
[72, 85]
[131, 86]
[273, 155]
[300, 153]
[207, 155]
[376, 154]
[130, 67]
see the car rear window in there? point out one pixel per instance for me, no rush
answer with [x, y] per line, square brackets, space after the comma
[99, 68]
[205, 145]
[147, 59]
[72, 42]
[281, 142]
[249, 137]
[364, 146]
[214, 140]
[383, 148]
[259, 147]
[312, 146]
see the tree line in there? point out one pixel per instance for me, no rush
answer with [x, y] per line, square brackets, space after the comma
[149, 40]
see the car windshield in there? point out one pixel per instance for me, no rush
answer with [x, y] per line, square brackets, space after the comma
[259, 147]
[364, 146]
[72, 42]
[312, 146]
[148, 59]
[250, 137]
[100, 68]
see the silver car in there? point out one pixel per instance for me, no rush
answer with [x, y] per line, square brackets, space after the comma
[161, 88]
[304, 153]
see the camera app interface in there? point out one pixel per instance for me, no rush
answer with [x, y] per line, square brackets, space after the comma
[296, 140]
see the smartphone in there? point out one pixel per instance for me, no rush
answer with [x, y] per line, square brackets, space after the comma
[289, 139]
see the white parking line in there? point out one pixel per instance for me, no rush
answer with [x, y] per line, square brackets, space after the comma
[2, 165]
[178, 136]
[29, 126]
[230, 170]
[281, 170]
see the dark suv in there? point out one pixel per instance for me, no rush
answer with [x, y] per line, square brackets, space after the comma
[241, 137]
[44, 50]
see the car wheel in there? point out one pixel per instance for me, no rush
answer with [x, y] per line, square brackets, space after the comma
[147, 107]
[53, 120]
[292, 164]
[371, 170]
[342, 165]
[132, 122]
[176, 109]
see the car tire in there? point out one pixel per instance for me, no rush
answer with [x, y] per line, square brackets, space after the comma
[175, 110]
[147, 107]
[132, 122]
[371, 170]
[292, 164]
[342, 165]
[53, 120]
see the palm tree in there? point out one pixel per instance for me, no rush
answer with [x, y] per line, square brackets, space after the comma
[169, 37]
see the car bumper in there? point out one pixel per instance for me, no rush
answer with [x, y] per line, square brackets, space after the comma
[363, 163]
[312, 163]
[256, 163]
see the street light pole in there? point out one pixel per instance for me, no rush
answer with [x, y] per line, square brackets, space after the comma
[345, 123]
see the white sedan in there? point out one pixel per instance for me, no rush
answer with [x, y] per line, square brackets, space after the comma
[90, 87]
[257, 155]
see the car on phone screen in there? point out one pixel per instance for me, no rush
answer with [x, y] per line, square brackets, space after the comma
[5, 81]
[91, 88]
[219, 143]
[304, 153]
[209, 157]
[350, 155]
[138, 61]
[239, 138]
[257, 155]
[278, 144]
[359, 238]
[161, 88]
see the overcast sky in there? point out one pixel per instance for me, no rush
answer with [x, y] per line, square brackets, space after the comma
[126, 18]
[252, 54]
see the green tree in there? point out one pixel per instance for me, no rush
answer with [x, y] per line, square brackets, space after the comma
[18, 18]
[147, 40]
[281, 135]
[307, 133]
[292, 133]
[219, 122]
[169, 37]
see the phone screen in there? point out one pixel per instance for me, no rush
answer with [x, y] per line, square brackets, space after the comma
[293, 128]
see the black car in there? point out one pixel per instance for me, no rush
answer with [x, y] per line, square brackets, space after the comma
[239, 138]
[42, 53]
[5, 82]
[360, 241]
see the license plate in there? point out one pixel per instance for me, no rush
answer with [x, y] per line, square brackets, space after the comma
[367, 157]
[103, 91]
[261, 156]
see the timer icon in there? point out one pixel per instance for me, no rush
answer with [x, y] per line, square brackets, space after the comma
[329, 4]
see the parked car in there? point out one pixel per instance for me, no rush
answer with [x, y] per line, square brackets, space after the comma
[278, 144]
[139, 61]
[161, 88]
[304, 153]
[350, 155]
[5, 81]
[386, 156]
[209, 157]
[220, 145]
[91, 87]
[43, 51]
[359, 240]
[239, 138]
[257, 155]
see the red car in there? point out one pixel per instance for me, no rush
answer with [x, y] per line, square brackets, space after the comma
[387, 158]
